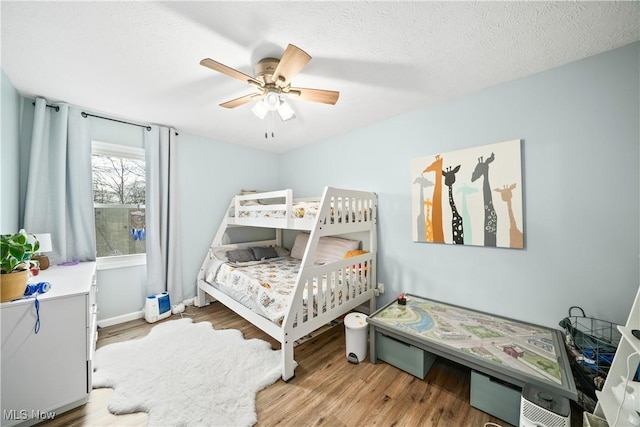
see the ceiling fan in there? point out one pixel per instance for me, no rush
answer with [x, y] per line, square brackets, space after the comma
[272, 79]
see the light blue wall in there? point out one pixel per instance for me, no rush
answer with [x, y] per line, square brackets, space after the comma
[580, 126]
[210, 173]
[9, 122]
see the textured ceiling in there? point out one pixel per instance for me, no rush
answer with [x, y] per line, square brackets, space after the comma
[140, 60]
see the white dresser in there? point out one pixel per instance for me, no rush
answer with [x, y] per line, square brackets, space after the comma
[47, 373]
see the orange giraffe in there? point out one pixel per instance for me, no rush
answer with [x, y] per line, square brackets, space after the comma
[515, 235]
[436, 213]
[429, 225]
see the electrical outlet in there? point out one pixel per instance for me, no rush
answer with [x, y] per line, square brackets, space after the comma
[381, 287]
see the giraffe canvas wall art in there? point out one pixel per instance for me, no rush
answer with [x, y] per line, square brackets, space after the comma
[473, 196]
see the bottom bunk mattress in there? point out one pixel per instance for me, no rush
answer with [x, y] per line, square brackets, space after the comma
[267, 287]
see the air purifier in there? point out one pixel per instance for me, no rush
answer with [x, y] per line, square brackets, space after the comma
[540, 408]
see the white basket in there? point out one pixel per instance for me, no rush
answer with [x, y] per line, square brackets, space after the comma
[590, 420]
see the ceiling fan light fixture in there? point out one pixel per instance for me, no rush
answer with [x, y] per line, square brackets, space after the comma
[285, 111]
[272, 100]
[260, 110]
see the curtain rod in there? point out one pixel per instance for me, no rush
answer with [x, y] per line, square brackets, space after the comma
[57, 107]
[83, 114]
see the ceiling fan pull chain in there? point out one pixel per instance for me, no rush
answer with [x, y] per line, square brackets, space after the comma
[267, 122]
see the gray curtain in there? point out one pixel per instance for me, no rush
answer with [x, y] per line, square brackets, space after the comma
[164, 262]
[59, 196]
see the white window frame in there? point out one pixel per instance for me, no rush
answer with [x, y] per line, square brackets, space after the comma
[111, 149]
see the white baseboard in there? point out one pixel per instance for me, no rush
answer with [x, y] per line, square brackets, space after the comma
[120, 319]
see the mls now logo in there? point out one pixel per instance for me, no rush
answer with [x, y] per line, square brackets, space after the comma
[23, 414]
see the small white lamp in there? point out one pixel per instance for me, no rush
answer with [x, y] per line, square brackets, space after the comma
[45, 246]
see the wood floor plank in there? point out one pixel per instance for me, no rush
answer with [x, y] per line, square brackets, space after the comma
[326, 391]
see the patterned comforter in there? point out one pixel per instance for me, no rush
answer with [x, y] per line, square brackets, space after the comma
[267, 286]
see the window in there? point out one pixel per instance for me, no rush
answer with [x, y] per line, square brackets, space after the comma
[119, 188]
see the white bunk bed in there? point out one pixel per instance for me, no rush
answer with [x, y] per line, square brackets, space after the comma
[336, 287]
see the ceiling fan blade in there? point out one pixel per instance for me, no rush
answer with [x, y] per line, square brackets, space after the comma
[221, 68]
[241, 101]
[315, 95]
[292, 62]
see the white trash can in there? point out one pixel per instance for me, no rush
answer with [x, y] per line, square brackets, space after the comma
[356, 328]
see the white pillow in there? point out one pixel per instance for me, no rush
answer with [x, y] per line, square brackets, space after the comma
[329, 248]
[299, 245]
[282, 252]
[334, 248]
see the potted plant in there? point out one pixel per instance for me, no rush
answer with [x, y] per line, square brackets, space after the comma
[16, 251]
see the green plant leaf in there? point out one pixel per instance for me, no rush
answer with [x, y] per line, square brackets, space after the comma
[16, 251]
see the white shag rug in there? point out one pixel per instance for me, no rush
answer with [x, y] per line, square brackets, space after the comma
[188, 374]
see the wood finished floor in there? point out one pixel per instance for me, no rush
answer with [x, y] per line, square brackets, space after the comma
[326, 391]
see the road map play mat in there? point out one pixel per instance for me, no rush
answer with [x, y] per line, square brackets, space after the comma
[506, 345]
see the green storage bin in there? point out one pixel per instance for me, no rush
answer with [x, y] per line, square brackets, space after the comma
[496, 398]
[404, 356]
